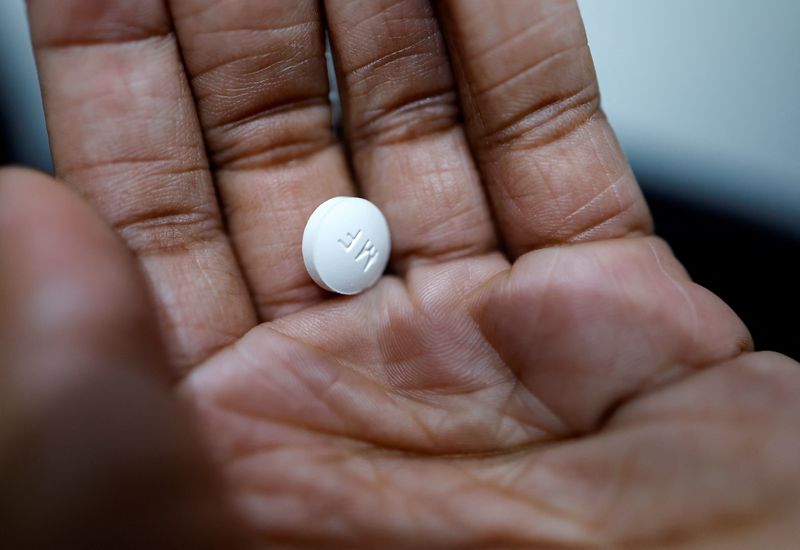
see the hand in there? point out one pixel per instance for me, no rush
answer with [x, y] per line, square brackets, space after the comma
[535, 370]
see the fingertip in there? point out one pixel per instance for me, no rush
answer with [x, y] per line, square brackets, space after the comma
[71, 296]
[87, 433]
[24, 189]
[39, 214]
[20, 175]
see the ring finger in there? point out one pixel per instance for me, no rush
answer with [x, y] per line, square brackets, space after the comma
[402, 124]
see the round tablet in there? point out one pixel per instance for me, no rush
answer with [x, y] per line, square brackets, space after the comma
[346, 245]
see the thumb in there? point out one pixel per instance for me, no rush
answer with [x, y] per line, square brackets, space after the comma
[93, 449]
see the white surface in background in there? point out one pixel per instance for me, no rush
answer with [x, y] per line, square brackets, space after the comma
[706, 94]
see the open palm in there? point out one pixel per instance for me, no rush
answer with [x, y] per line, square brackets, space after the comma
[535, 369]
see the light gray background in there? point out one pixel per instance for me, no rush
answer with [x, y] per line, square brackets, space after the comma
[705, 95]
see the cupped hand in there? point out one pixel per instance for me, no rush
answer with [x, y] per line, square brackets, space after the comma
[534, 370]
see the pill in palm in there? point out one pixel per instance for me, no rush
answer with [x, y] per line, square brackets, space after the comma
[346, 245]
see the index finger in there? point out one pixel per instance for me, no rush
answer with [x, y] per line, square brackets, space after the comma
[124, 133]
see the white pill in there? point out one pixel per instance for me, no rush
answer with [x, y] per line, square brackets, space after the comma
[346, 245]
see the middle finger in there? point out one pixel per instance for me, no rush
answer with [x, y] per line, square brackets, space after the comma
[260, 81]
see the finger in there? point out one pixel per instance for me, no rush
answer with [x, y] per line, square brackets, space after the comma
[552, 166]
[259, 75]
[402, 121]
[67, 283]
[91, 445]
[123, 131]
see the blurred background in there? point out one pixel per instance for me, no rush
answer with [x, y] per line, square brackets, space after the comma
[705, 97]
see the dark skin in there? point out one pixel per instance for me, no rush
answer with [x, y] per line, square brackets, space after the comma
[536, 370]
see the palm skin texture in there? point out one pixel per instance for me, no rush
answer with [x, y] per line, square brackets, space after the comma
[535, 370]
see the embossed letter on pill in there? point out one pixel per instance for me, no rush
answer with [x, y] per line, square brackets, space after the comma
[346, 245]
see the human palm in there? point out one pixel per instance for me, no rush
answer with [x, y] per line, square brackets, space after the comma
[535, 370]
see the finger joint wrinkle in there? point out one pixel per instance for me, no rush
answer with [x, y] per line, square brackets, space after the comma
[168, 229]
[547, 121]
